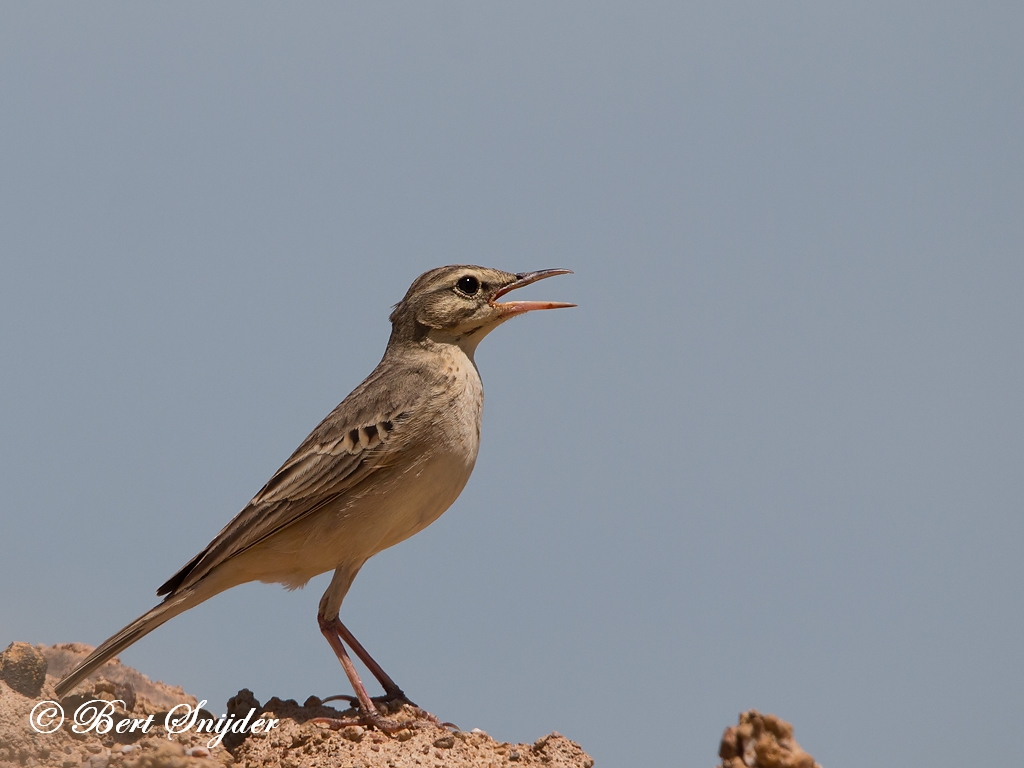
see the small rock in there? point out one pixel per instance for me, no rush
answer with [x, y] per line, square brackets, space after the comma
[445, 742]
[239, 706]
[404, 735]
[23, 668]
[126, 693]
[199, 751]
[166, 755]
[762, 741]
[513, 755]
[727, 748]
[353, 733]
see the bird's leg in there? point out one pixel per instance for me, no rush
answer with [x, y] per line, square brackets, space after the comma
[338, 636]
[370, 714]
[391, 690]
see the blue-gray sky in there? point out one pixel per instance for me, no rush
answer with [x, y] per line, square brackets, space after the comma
[775, 459]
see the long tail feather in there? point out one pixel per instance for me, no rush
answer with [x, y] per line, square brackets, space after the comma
[138, 629]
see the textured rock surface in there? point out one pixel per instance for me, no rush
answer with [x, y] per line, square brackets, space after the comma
[23, 668]
[762, 741]
[757, 741]
[295, 743]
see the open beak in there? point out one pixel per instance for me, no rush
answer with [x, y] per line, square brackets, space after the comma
[510, 308]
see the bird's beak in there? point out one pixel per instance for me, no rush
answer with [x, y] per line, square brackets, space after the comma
[510, 308]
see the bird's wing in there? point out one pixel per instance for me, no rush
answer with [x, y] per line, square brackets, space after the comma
[334, 462]
[336, 458]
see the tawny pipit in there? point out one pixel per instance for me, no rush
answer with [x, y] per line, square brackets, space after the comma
[382, 466]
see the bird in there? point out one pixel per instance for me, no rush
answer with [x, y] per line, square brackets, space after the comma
[382, 466]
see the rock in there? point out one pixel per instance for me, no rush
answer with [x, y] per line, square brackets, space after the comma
[23, 668]
[445, 742]
[353, 733]
[239, 706]
[125, 691]
[762, 741]
[166, 755]
[297, 740]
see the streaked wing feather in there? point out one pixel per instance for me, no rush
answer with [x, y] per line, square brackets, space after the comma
[332, 461]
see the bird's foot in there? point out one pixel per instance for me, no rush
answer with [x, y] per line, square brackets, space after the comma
[397, 695]
[374, 720]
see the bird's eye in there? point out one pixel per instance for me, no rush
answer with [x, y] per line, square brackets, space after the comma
[468, 285]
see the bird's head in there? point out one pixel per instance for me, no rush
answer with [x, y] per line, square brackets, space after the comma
[460, 304]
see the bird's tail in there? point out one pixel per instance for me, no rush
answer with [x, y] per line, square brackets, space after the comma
[142, 626]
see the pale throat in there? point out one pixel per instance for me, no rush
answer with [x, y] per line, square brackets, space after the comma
[466, 341]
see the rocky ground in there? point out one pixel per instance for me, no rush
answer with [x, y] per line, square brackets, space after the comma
[28, 674]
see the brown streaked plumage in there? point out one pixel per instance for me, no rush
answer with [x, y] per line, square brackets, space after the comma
[387, 462]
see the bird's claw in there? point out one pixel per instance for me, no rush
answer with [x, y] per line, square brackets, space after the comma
[374, 720]
[387, 698]
[352, 700]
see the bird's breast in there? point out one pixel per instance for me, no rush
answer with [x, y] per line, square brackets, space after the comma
[442, 460]
[459, 411]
